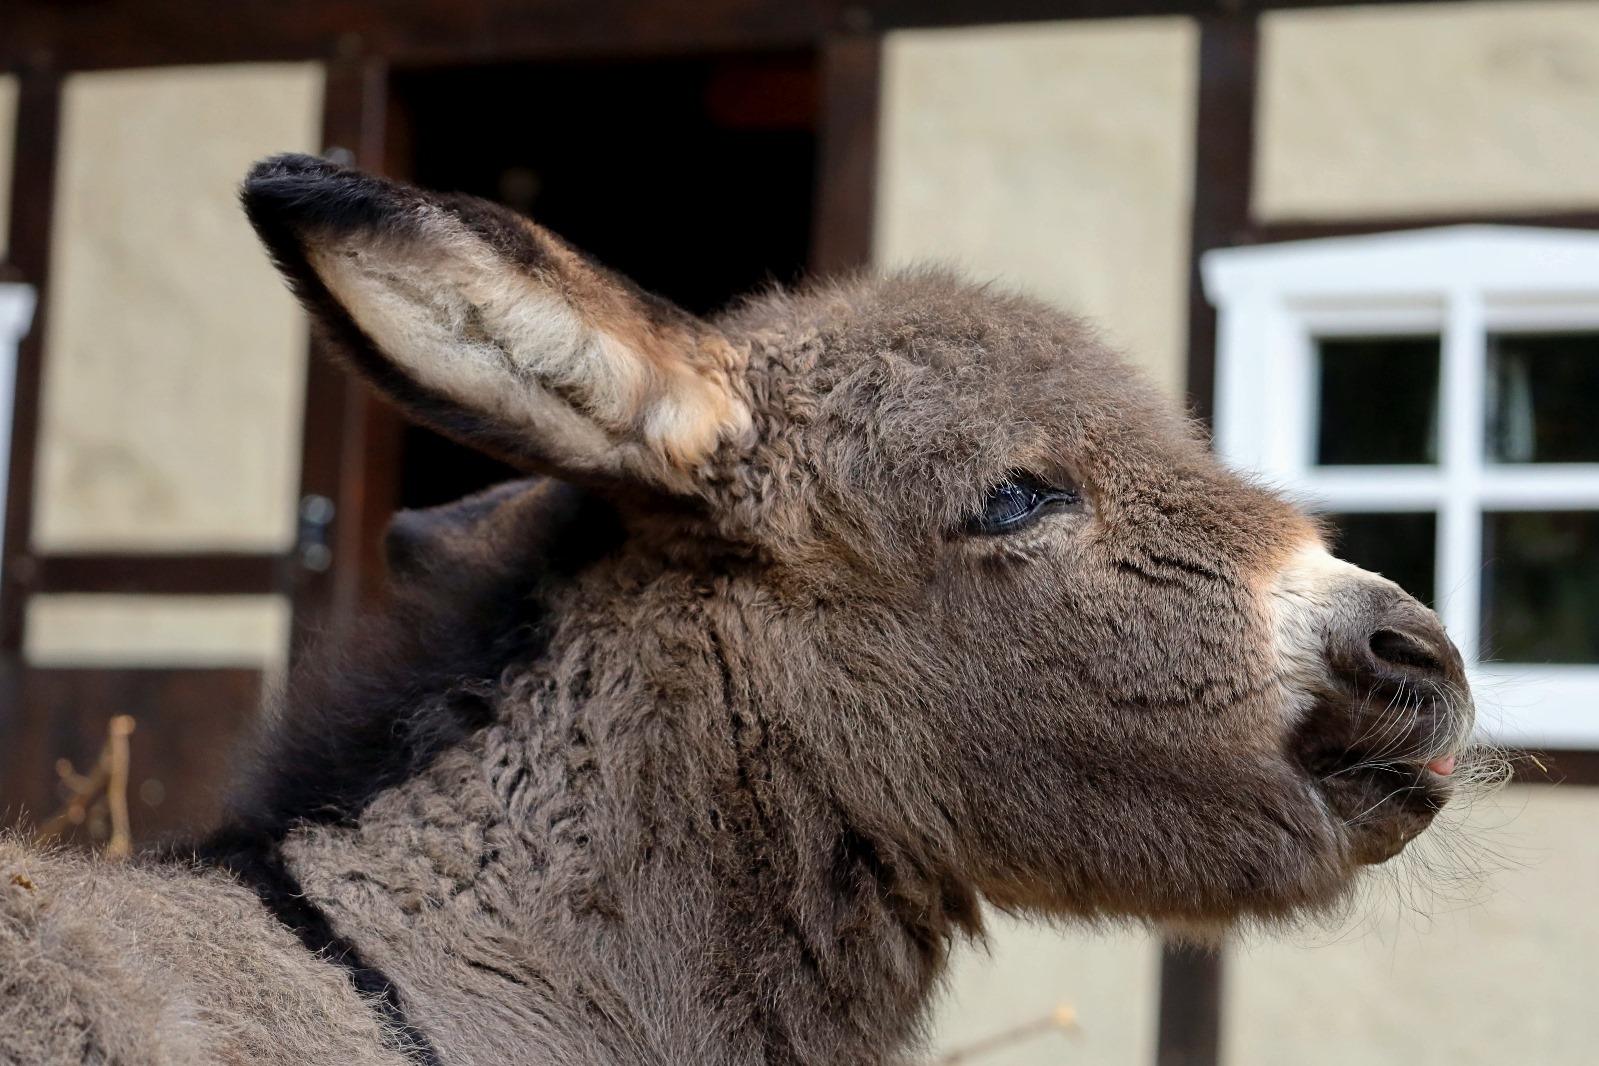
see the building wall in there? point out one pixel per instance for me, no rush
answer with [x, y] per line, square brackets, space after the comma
[1027, 970]
[171, 406]
[1480, 945]
[104, 629]
[1056, 158]
[172, 394]
[1485, 952]
[1428, 109]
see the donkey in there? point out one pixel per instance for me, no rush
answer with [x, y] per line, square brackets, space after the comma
[464, 601]
[871, 601]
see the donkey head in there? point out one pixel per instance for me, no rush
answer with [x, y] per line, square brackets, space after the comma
[992, 594]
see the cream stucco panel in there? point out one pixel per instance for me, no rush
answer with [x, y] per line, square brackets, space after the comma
[1109, 978]
[1428, 109]
[1054, 157]
[106, 630]
[176, 359]
[8, 127]
[1450, 969]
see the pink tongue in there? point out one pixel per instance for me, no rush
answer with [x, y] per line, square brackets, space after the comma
[1443, 767]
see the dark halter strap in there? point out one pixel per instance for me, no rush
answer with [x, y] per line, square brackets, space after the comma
[259, 864]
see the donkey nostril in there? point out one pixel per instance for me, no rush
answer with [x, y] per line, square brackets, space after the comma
[1403, 650]
[1379, 636]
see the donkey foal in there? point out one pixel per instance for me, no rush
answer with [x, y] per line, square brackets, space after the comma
[860, 604]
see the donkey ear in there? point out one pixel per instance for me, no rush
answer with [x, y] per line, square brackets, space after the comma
[495, 332]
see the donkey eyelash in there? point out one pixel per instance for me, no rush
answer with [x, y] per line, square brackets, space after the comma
[1018, 502]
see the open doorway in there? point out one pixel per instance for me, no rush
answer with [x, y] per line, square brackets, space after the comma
[693, 176]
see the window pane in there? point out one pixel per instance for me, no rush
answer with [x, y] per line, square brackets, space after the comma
[1543, 392]
[1402, 547]
[1379, 400]
[1540, 599]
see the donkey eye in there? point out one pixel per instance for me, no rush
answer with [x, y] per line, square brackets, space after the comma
[1016, 503]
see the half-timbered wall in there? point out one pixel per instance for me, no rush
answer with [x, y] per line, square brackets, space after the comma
[1484, 945]
[1057, 157]
[170, 414]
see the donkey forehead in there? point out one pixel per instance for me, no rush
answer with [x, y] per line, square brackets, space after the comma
[925, 371]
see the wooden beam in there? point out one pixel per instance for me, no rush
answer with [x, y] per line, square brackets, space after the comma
[1269, 232]
[190, 574]
[1189, 1033]
[33, 187]
[1555, 767]
[846, 174]
[896, 14]
[350, 441]
[136, 33]
[1223, 158]
[120, 33]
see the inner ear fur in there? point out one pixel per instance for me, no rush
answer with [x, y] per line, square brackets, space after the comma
[495, 332]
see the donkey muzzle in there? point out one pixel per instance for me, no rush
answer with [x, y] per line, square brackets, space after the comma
[1384, 708]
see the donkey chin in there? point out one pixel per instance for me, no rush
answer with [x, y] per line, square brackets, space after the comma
[1381, 713]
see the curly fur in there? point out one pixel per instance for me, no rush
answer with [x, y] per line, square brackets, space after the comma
[162, 963]
[713, 760]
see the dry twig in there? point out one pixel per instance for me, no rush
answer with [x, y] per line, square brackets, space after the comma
[101, 792]
[1063, 1019]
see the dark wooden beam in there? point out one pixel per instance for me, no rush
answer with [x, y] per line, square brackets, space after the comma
[1189, 1031]
[896, 14]
[1555, 767]
[350, 441]
[190, 574]
[846, 177]
[1269, 232]
[134, 33]
[33, 187]
[358, 119]
[1223, 153]
[121, 33]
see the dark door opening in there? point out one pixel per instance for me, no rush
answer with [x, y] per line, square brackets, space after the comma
[693, 176]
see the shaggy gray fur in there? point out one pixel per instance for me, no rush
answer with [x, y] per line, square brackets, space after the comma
[146, 964]
[779, 737]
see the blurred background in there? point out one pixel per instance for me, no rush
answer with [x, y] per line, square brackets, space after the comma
[1361, 241]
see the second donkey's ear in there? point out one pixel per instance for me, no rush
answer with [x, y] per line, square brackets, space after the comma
[495, 332]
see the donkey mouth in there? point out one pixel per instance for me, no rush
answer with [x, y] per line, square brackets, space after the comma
[1384, 806]
[1385, 785]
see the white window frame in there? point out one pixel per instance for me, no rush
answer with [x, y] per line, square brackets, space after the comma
[1462, 282]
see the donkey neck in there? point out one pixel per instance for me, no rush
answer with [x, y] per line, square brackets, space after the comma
[634, 864]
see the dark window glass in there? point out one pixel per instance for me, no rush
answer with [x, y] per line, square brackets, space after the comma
[1403, 547]
[1540, 601]
[1379, 400]
[1543, 398]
